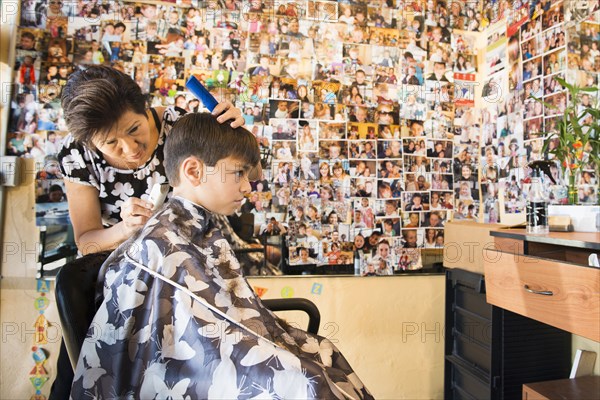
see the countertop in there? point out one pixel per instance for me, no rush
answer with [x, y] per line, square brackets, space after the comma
[583, 240]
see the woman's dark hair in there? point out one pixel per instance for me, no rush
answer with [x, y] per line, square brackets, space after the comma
[94, 100]
[200, 135]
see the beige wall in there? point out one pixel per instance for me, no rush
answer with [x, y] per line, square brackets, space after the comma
[389, 328]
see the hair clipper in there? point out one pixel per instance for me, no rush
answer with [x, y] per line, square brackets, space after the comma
[158, 194]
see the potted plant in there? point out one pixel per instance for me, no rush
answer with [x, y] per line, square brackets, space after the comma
[575, 144]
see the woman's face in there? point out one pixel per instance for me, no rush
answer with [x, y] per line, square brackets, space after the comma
[128, 142]
[302, 91]
[324, 169]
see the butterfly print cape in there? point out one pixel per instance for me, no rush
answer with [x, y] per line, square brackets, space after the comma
[178, 320]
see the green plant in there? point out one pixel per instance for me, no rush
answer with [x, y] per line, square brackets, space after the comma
[576, 140]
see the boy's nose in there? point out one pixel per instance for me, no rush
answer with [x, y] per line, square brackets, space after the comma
[245, 184]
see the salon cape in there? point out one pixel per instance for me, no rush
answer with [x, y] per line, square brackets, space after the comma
[177, 319]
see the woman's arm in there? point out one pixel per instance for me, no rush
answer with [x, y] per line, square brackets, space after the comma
[85, 213]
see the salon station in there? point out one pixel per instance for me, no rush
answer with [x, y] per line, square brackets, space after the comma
[357, 199]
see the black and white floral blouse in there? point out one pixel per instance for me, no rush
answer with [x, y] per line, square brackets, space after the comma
[88, 167]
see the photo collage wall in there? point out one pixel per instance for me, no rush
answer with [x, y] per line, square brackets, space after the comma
[544, 40]
[365, 111]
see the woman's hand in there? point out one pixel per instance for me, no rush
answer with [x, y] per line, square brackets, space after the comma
[226, 111]
[134, 213]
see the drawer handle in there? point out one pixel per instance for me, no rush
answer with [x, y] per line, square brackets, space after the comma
[542, 292]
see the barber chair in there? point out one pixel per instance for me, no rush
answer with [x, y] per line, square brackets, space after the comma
[75, 291]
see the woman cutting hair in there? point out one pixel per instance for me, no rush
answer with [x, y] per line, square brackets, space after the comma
[114, 154]
[111, 158]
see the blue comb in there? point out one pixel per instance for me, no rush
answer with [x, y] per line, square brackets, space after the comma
[198, 90]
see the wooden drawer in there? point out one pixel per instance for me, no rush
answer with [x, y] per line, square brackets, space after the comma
[568, 295]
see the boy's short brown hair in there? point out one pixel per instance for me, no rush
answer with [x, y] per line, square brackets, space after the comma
[201, 135]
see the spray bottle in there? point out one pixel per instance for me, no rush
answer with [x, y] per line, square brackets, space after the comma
[537, 201]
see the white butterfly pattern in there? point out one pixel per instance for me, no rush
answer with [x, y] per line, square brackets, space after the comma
[197, 330]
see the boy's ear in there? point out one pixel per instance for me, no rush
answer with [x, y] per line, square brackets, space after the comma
[192, 170]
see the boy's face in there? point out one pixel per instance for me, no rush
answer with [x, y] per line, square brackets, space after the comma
[27, 43]
[334, 151]
[411, 238]
[229, 178]
[149, 11]
[414, 219]
[390, 208]
[360, 77]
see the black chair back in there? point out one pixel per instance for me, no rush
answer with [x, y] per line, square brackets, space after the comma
[297, 304]
[75, 291]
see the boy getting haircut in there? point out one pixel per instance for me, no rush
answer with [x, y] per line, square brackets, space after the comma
[178, 319]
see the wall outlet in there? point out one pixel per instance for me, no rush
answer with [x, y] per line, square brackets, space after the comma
[10, 170]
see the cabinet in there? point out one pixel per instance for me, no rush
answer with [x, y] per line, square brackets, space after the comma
[546, 277]
[491, 352]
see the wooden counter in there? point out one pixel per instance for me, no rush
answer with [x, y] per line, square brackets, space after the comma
[587, 387]
[546, 278]
[583, 240]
